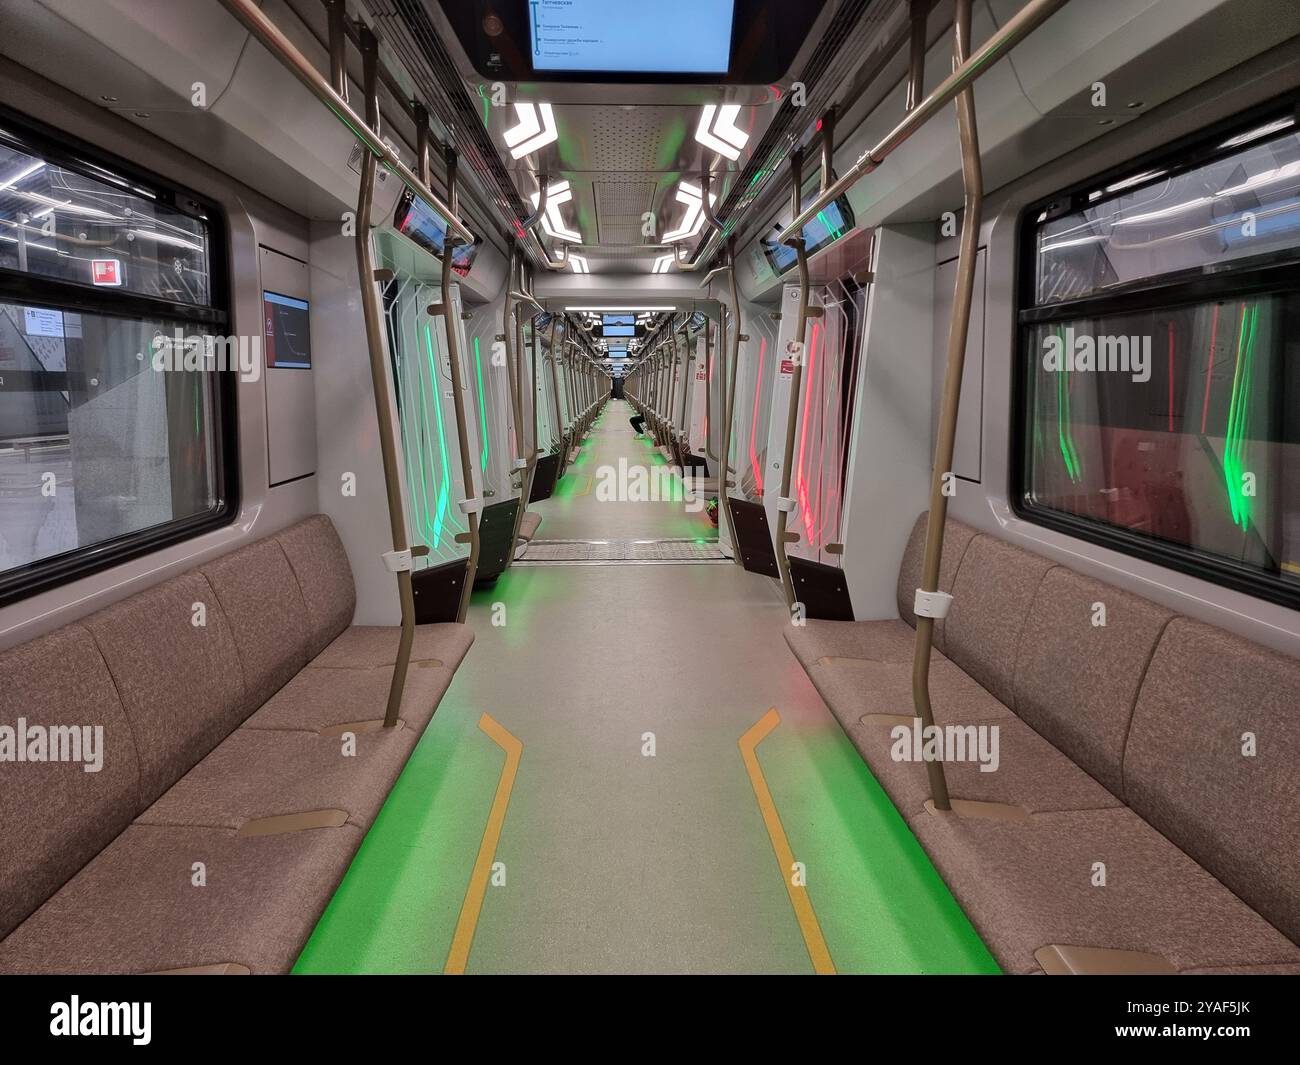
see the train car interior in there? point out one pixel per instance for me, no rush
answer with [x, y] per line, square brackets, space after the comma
[691, 487]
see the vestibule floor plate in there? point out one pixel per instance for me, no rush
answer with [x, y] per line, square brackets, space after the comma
[621, 552]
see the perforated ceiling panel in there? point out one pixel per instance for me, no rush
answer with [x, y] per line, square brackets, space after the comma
[631, 138]
[620, 207]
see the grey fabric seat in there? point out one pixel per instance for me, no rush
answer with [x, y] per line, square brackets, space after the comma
[1120, 735]
[223, 695]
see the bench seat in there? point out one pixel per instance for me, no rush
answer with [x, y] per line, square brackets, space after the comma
[243, 746]
[136, 909]
[1121, 733]
[529, 524]
[1030, 885]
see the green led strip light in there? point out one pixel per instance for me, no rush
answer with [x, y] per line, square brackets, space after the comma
[1064, 432]
[442, 439]
[1234, 452]
[482, 408]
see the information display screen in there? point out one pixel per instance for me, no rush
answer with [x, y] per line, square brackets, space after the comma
[288, 337]
[828, 226]
[662, 37]
[419, 222]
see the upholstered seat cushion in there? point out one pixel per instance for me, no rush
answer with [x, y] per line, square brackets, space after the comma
[137, 908]
[1034, 883]
[256, 773]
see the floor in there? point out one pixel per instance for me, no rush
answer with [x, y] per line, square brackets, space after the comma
[633, 837]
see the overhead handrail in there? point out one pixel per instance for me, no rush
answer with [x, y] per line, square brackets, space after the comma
[399, 559]
[784, 504]
[706, 206]
[543, 183]
[269, 34]
[930, 602]
[1024, 22]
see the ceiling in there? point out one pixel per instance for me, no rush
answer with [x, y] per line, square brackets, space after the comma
[624, 149]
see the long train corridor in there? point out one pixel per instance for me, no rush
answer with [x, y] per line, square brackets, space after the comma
[615, 855]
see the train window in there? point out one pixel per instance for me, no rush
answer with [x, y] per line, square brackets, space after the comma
[56, 222]
[1160, 385]
[115, 385]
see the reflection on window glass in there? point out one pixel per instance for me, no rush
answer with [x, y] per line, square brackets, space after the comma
[1245, 204]
[60, 224]
[1181, 424]
[95, 441]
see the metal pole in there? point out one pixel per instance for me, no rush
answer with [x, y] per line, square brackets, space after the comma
[920, 9]
[727, 388]
[269, 34]
[1024, 22]
[373, 315]
[449, 320]
[336, 10]
[514, 383]
[796, 381]
[828, 149]
[958, 328]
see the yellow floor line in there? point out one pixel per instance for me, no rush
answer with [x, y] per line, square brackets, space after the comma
[458, 957]
[803, 908]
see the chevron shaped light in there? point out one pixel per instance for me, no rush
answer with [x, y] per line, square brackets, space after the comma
[552, 221]
[536, 129]
[717, 130]
[693, 222]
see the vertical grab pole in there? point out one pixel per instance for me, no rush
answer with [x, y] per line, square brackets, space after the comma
[784, 504]
[471, 504]
[919, 10]
[515, 384]
[670, 400]
[959, 326]
[555, 395]
[373, 315]
[688, 356]
[728, 397]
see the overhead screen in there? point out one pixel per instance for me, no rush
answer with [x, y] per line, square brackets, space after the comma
[827, 226]
[419, 222]
[662, 37]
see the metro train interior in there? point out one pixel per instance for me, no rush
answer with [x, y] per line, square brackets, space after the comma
[702, 486]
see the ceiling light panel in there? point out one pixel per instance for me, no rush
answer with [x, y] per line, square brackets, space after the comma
[536, 129]
[717, 130]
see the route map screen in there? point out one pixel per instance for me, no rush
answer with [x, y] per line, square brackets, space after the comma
[663, 37]
[288, 339]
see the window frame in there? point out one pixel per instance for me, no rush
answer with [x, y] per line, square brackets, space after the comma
[1254, 276]
[39, 138]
